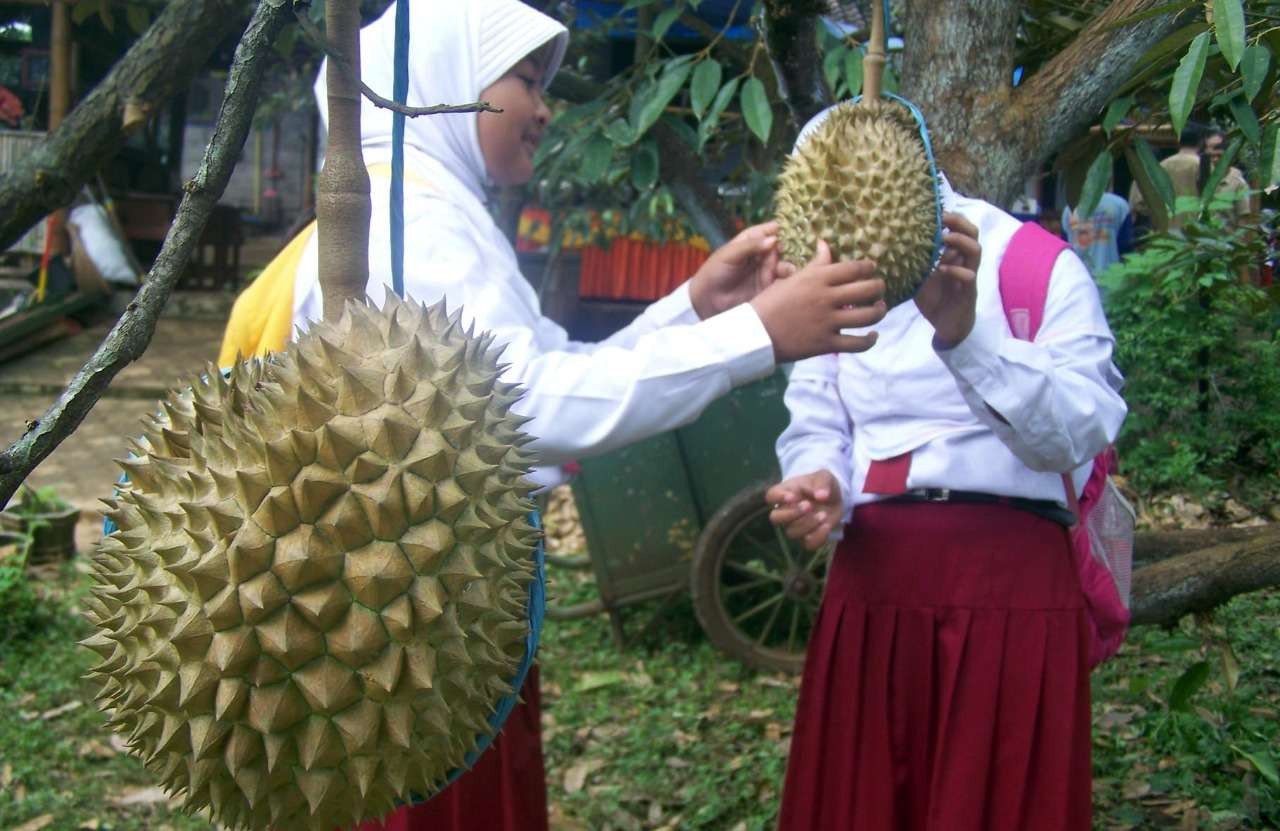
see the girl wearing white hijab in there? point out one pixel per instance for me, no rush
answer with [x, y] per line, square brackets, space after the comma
[658, 373]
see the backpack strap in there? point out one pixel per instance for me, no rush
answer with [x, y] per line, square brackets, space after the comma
[1025, 270]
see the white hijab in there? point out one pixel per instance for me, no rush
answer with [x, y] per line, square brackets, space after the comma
[456, 50]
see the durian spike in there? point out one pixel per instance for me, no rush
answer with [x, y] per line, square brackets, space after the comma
[873, 63]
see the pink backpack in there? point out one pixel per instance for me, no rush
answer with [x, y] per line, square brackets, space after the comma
[1102, 538]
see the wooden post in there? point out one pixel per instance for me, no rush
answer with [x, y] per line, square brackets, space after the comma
[343, 205]
[59, 100]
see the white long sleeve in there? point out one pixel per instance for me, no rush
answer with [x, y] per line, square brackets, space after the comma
[583, 399]
[819, 436]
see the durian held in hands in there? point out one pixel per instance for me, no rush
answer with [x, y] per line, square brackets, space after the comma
[318, 589]
[863, 181]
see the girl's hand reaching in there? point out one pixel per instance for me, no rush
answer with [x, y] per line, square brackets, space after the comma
[807, 508]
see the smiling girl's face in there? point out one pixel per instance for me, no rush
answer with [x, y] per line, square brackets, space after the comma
[509, 139]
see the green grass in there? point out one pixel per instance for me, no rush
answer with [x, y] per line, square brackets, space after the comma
[666, 733]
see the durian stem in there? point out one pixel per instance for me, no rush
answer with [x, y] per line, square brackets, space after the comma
[873, 63]
[343, 206]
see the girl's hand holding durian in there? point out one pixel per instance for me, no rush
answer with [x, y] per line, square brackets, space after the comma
[949, 296]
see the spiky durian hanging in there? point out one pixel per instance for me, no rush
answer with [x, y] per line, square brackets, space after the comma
[318, 586]
[864, 181]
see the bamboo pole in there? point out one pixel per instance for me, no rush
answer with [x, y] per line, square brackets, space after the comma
[873, 63]
[343, 205]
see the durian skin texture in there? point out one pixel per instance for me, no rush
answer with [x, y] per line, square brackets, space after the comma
[863, 182]
[317, 590]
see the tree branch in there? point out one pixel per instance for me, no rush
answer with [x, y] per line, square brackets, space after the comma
[159, 65]
[1200, 580]
[128, 339]
[790, 33]
[318, 40]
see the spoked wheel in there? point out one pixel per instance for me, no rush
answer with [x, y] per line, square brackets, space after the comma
[756, 593]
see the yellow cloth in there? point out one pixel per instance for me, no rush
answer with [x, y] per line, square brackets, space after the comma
[263, 313]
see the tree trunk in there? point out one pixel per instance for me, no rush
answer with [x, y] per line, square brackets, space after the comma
[160, 64]
[1202, 579]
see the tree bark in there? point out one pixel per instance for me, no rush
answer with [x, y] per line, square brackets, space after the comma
[159, 65]
[128, 339]
[791, 38]
[1203, 579]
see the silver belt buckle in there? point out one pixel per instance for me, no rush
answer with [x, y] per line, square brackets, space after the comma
[936, 494]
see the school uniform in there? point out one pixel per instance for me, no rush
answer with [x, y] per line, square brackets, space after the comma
[946, 680]
[582, 398]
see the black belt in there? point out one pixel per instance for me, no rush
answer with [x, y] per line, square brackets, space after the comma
[1043, 508]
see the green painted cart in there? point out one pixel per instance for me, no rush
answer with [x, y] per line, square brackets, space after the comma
[685, 512]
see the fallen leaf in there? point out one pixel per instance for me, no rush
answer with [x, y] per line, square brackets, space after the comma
[47, 715]
[742, 826]
[609, 731]
[1135, 789]
[89, 825]
[727, 687]
[655, 813]
[140, 796]
[588, 681]
[6, 775]
[678, 763]
[640, 679]
[758, 715]
[42, 821]
[576, 776]
[94, 749]
[25, 699]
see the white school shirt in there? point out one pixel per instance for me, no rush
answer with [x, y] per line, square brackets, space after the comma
[1059, 394]
[655, 375]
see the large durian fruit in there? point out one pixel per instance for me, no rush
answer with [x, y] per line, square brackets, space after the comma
[318, 587]
[863, 182]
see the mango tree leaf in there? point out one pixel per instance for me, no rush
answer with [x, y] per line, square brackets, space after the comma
[853, 71]
[756, 109]
[1230, 666]
[1158, 176]
[1253, 69]
[108, 19]
[1095, 184]
[708, 125]
[80, 12]
[1228, 25]
[137, 17]
[1261, 761]
[1246, 118]
[1220, 171]
[1186, 81]
[706, 80]
[621, 133]
[595, 159]
[1269, 161]
[1187, 685]
[1116, 111]
[657, 96]
[644, 165]
[831, 68]
[664, 20]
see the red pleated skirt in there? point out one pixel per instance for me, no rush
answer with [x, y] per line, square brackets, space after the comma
[505, 791]
[946, 684]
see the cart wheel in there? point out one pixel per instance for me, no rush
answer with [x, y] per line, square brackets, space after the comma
[756, 593]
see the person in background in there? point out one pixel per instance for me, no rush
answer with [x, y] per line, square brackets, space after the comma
[1183, 168]
[1103, 238]
[1233, 194]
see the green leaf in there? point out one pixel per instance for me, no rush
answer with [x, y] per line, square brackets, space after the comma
[595, 159]
[706, 80]
[664, 21]
[644, 165]
[1246, 118]
[708, 125]
[831, 64]
[621, 133]
[756, 109]
[1219, 172]
[659, 95]
[853, 71]
[108, 19]
[286, 40]
[1228, 25]
[1159, 176]
[1230, 666]
[1095, 184]
[1253, 69]
[1116, 111]
[1186, 81]
[1187, 685]
[889, 83]
[1269, 161]
[137, 17]
[1261, 761]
